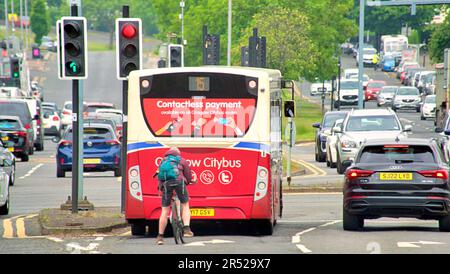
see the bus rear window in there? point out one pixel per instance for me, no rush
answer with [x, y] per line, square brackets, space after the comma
[199, 104]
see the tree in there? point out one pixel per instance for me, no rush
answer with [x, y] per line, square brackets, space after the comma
[102, 15]
[440, 40]
[39, 22]
[289, 45]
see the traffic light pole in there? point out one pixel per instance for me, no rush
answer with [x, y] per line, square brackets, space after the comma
[125, 14]
[75, 131]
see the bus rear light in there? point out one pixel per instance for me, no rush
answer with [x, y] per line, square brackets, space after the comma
[134, 183]
[262, 179]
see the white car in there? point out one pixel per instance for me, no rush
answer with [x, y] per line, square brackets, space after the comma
[428, 109]
[4, 189]
[11, 92]
[366, 79]
[368, 54]
[107, 110]
[52, 122]
[362, 125]
[385, 96]
[348, 95]
[66, 119]
[331, 144]
[316, 88]
[350, 72]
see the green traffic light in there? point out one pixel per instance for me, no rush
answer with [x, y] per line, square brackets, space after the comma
[74, 67]
[16, 75]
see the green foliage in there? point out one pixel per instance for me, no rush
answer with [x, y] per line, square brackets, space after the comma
[414, 38]
[289, 45]
[40, 24]
[440, 40]
[327, 23]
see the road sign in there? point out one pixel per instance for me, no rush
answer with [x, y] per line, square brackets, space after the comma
[72, 48]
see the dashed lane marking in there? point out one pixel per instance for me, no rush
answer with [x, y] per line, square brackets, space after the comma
[29, 173]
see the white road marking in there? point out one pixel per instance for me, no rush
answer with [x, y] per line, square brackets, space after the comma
[303, 248]
[77, 247]
[99, 239]
[54, 239]
[29, 173]
[203, 243]
[417, 244]
[331, 223]
[312, 193]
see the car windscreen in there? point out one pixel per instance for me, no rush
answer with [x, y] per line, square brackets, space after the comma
[370, 51]
[388, 90]
[372, 123]
[349, 84]
[376, 85]
[9, 124]
[430, 100]
[331, 118]
[92, 133]
[16, 109]
[48, 111]
[397, 154]
[407, 91]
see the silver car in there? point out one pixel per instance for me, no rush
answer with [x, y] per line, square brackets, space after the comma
[4, 189]
[385, 96]
[362, 125]
[407, 98]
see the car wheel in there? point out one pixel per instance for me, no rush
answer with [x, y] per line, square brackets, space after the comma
[444, 224]
[352, 222]
[328, 163]
[60, 173]
[340, 167]
[25, 157]
[117, 172]
[31, 151]
[322, 157]
[40, 147]
[4, 210]
[12, 177]
[138, 229]
[417, 109]
[422, 118]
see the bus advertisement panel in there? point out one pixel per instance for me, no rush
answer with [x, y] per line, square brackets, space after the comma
[226, 123]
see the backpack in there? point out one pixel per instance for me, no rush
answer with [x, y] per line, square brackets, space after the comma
[168, 169]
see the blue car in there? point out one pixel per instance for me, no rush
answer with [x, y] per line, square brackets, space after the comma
[388, 64]
[101, 150]
[323, 130]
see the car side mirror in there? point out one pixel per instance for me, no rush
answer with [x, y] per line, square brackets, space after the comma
[56, 139]
[347, 163]
[337, 130]
[289, 109]
[316, 125]
[438, 130]
[407, 128]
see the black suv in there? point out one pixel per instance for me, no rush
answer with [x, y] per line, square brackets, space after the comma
[393, 178]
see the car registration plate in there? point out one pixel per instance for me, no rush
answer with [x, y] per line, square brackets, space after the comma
[91, 161]
[391, 176]
[202, 212]
[11, 149]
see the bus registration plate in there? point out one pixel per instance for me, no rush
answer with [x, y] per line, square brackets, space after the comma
[202, 212]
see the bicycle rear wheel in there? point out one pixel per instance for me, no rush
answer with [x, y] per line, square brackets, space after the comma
[175, 222]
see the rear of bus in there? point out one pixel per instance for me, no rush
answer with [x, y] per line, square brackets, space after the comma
[220, 120]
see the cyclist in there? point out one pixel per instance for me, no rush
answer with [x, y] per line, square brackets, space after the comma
[178, 185]
[375, 61]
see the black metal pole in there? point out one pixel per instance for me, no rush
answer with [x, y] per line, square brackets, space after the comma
[75, 130]
[323, 97]
[125, 14]
[333, 81]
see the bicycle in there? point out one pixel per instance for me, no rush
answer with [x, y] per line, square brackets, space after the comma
[176, 221]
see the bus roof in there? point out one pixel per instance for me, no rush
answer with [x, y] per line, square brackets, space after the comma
[271, 73]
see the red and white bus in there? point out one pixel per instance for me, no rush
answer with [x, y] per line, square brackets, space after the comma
[226, 121]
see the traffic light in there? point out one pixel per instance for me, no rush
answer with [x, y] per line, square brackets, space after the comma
[15, 67]
[262, 52]
[73, 47]
[175, 56]
[128, 46]
[211, 49]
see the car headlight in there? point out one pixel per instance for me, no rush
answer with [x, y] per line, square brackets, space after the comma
[323, 138]
[349, 144]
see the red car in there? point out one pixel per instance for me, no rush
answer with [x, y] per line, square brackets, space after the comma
[403, 74]
[373, 88]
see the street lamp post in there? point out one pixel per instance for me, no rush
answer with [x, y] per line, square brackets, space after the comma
[182, 5]
[230, 6]
[360, 54]
[339, 82]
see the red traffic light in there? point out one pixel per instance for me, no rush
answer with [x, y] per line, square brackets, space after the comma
[129, 31]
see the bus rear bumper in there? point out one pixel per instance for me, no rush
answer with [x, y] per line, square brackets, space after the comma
[212, 208]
